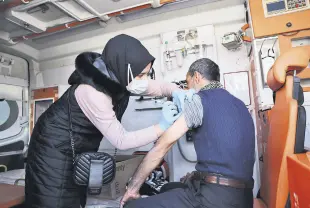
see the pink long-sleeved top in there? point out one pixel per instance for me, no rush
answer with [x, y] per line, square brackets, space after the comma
[98, 108]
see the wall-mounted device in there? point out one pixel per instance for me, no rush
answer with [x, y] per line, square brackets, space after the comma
[184, 43]
[180, 48]
[233, 40]
[280, 7]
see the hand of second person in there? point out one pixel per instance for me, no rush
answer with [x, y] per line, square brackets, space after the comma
[128, 196]
[169, 115]
[187, 177]
[179, 96]
[184, 177]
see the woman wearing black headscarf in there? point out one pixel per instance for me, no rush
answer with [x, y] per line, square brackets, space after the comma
[98, 96]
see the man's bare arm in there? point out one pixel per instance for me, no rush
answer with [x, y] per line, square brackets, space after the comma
[156, 154]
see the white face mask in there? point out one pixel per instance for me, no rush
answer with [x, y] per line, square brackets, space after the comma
[136, 86]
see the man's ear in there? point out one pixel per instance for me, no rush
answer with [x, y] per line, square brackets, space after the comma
[197, 76]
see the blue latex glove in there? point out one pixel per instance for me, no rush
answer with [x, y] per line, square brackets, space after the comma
[169, 115]
[179, 96]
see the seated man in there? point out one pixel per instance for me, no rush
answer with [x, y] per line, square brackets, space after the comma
[224, 140]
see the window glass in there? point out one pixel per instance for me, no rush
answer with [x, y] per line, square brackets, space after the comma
[4, 112]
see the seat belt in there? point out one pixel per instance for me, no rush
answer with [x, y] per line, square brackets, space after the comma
[95, 177]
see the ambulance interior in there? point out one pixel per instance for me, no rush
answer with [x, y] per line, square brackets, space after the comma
[261, 46]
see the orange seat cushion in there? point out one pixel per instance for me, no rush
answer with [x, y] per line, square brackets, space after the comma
[299, 179]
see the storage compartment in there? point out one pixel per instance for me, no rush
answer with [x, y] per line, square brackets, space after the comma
[126, 165]
[11, 162]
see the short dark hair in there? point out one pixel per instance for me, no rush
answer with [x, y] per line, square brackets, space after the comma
[207, 68]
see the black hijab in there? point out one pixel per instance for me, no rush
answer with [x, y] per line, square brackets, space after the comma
[117, 54]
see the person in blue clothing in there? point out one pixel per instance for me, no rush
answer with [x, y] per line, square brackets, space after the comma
[224, 140]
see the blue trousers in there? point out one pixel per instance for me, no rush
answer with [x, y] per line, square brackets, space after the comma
[197, 195]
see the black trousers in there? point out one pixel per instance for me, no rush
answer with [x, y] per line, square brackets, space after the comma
[198, 195]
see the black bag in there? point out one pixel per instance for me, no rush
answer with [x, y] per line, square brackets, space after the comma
[91, 169]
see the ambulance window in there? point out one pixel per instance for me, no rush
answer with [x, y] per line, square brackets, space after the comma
[8, 114]
[4, 111]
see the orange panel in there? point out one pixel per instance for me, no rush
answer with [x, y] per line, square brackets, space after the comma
[45, 93]
[276, 25]
[259, 119]
[282, 128]
[264, 128]
[274, 181]
[299, 179]
[306, 89]
[285, 44]
[256, 106]
[293, 59]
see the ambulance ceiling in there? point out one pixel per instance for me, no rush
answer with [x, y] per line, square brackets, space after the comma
[47, 23]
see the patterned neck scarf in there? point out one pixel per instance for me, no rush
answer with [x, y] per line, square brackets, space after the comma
[212, 85]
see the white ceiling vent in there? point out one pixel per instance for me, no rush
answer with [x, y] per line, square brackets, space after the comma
[74, 9]
[101, 8]
[38, 15]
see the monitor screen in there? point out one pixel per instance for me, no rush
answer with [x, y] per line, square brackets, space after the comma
[275, 6]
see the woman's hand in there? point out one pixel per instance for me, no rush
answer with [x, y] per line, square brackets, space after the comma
[179, 96]
[169, 115]
[129, 195]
